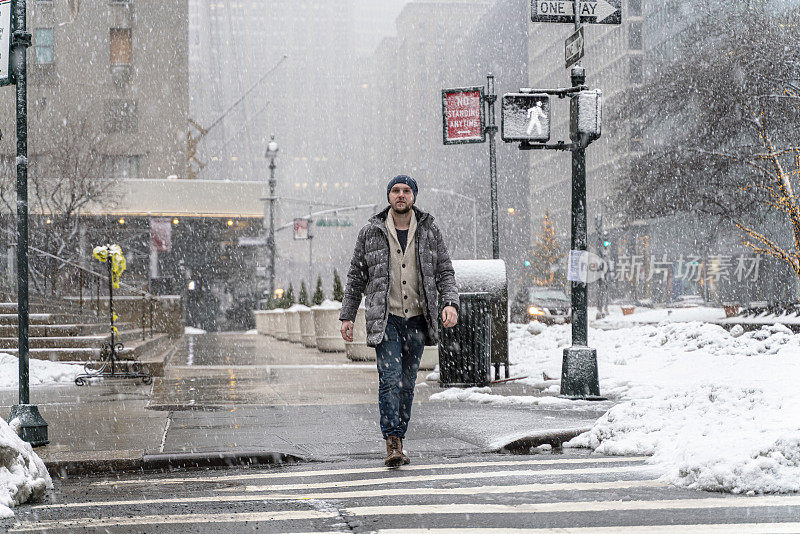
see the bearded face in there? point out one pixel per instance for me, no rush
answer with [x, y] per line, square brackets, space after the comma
[401, 198]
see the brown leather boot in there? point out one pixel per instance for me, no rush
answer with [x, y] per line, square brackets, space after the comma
[406, 459]
[394, 455]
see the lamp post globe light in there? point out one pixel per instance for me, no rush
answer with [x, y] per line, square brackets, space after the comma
[272, 154]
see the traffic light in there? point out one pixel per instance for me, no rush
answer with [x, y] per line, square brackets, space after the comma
[527, 263]
[606, 242]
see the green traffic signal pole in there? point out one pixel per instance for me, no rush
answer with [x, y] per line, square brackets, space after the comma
[579, 376]
[491, 129]
[29, 424]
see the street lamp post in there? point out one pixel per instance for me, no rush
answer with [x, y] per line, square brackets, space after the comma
[31, 427]
[272, 153]
[474, 216]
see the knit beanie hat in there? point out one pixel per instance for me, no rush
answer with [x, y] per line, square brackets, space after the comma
[402, 179]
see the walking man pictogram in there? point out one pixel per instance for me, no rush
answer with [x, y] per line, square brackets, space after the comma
[535, 116]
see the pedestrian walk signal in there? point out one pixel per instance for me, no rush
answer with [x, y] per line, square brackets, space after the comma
[586, 114]
[526, 117]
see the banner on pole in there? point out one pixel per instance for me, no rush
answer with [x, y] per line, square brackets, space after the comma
[161, 235]
[301, 228]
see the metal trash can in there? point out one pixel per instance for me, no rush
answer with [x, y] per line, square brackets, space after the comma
[465, 349]
[489, 276]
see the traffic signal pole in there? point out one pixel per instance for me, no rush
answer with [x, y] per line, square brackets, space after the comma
[579, 376]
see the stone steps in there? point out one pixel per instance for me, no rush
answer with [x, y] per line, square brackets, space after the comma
[62, 330]
[68, 342]
[134, 348]
[59, 333]
[34, 318]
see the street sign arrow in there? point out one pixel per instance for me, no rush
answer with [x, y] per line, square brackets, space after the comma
[591, 11]
[603, 11]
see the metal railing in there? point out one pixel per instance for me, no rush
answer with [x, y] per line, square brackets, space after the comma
[91, 291]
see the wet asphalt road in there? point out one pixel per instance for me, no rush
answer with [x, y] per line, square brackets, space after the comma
[572, 490]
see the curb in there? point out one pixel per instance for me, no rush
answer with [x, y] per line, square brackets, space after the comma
[188, 460]
[554, 438]
[168, 461]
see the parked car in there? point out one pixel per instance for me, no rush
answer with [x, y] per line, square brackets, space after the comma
[548, 305]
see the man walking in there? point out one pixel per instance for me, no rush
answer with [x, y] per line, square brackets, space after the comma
[400, 263]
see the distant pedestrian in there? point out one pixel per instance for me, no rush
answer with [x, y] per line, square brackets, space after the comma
[400, 263]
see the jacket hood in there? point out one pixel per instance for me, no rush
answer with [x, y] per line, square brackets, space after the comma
[380, 217]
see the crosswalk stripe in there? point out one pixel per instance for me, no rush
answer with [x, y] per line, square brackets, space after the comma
[397, 492]
[176, 519]
[431, 509]
[739, 528]
[360, 470]
[576, 506]
[444, 476]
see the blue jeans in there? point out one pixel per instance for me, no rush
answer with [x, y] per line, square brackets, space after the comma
[398, 358]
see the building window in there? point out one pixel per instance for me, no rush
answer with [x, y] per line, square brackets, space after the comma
[636, 137]
[634, 8]
[44, 46]
[635, 36]
[635, 74]
[120, 45]
[121, 116]
[121, 167]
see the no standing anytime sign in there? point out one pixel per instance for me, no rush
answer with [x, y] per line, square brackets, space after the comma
[462, 115]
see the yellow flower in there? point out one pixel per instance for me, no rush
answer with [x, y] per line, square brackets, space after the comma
[118, 263]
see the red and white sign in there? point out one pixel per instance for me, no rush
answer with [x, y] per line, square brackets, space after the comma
[301, 228]
[462, 115]
[161, 235]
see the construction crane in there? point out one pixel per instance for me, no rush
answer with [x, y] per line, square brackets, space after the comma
[192, 142]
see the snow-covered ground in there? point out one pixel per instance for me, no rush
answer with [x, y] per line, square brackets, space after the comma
[193, 331]
[717, 410]
[42, 372]
[616, 318]
[23, 475]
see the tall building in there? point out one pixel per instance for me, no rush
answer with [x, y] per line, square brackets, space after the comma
[120, 66]
[409, 71]
[313, 101]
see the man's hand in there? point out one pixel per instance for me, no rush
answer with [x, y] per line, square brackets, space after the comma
[347, 330]
[449, 316]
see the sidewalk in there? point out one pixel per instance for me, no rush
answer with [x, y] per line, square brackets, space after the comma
[232, 398]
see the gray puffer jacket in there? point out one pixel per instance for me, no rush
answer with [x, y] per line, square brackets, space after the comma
[370, 274]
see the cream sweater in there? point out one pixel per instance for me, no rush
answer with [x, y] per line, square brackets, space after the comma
[404, 298]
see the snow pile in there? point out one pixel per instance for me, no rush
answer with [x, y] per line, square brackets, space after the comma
[191, 330]
[328, 305]
[717, 410]
[41, 372]
[23, 475]
[484, 396]
[433, 375]
[648, 315]
[716, 438]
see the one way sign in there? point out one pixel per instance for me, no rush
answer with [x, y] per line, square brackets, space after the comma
[591, 11]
